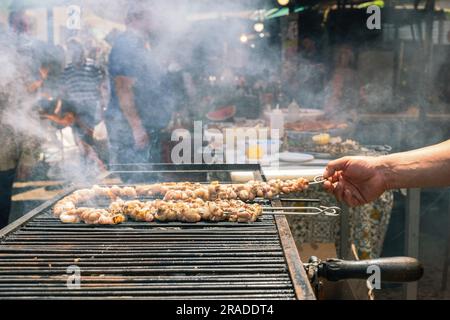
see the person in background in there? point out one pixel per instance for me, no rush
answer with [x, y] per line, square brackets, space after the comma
[137, 111]
[80, 105]
[289, 89]
[344, 88]
[42, 60]
[442, 81]
[19, 153]
[29, 48]
[242, 87]
[18, 135]
[360, 180]
[48, 86]
[311, 75]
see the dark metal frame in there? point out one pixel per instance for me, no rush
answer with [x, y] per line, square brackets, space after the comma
[412, 226]
[30, 215]
[303, 289]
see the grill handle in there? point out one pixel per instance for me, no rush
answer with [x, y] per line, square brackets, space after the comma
[393, 269]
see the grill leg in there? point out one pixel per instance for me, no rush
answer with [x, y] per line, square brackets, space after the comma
[412, 223]
[345, 233]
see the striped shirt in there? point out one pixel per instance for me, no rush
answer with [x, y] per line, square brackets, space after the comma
[82, 83]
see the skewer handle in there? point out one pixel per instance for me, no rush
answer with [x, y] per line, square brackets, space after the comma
[318, 180]
[392, 269]
[305, 211]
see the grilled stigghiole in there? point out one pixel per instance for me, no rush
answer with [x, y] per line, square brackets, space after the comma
[215, 190]
[66, 209]
[91, 216]
[186, 191]
[188, 211]
[160, 210]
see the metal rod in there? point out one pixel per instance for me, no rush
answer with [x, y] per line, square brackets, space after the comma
[321, 208]
[298, 200]
[318, 180]
[327, 211]
[412, 227]
[294, 213]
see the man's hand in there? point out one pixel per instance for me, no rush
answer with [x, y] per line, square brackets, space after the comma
[141, 138]
[43, 72]
[23, 172]
[355, 180]
[34, 86]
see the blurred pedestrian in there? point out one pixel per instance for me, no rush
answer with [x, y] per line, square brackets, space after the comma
[343, 98]
[18, 136]
[138, 109]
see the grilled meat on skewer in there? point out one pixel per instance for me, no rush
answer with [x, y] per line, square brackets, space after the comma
[182, 201]
[160, 210]
[185, 191]
[91, 216]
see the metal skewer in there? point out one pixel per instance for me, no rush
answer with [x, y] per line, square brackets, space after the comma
[298, 200]
[318, 180]
[311, 211]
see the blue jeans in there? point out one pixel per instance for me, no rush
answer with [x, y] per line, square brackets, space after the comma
[122, 148]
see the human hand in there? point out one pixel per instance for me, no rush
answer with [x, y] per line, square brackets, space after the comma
[35, 85]
[355, 180]
[23, 172]
[43, 72]
[141, 138]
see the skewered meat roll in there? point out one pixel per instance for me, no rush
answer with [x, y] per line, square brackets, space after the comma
[244, 192]
[160, 210]
[172, 192]
[185, 191]
[188, 211]
[91, 216]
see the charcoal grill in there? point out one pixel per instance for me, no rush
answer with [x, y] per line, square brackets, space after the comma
[152, 260]
[170, 260]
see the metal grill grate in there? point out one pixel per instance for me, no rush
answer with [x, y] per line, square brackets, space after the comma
[148, 260]
[138, 260]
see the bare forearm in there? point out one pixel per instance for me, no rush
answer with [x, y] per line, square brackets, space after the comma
[126, 100]
[67, 120]
[426, 167]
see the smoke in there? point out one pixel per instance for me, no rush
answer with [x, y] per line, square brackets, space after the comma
[196, 37]
[15, 102]
[203, 40]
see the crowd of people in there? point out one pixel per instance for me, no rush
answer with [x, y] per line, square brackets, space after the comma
[45, 88]
[67, 86]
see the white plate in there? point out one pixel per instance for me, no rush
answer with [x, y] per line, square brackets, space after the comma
[295, 157]
[302, 114]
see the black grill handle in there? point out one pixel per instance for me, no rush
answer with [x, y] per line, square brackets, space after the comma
[393, 269]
